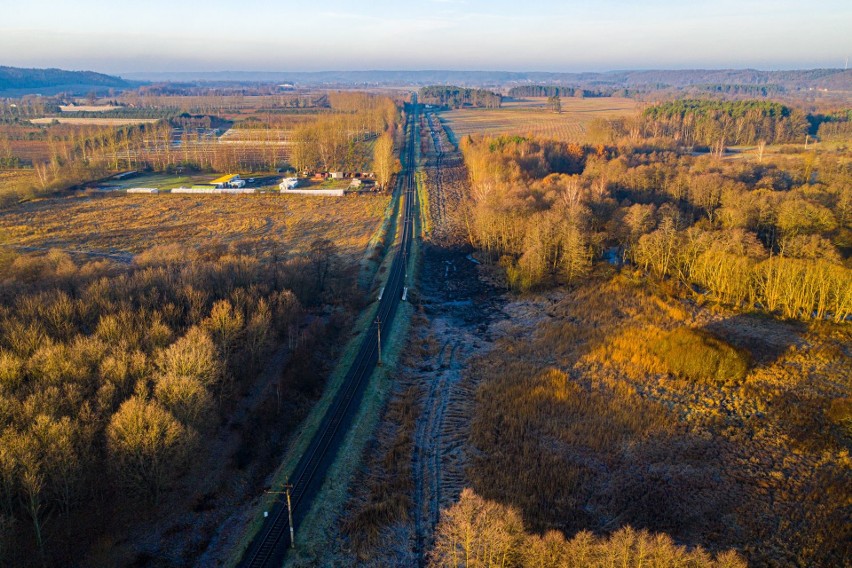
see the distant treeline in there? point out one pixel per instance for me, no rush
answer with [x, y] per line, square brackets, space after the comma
[16, 78]
[561, 91]
[749, 90]
[458, 97]
[833, 125]
[720, 123]
[207, 101]
[17, 110]
[124, 112]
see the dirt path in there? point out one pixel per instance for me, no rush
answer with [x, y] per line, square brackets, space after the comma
[459, 308]
[456, 309]
[447, 182]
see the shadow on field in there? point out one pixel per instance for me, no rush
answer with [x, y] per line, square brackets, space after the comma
[764, 337]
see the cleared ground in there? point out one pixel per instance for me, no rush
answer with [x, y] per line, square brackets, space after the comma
[531, 116]
[94, 121]
[118, 223]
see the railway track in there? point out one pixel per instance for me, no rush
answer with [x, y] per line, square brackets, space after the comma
[272, 541]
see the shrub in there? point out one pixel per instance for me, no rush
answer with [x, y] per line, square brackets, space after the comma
[699, 356]
[840, 412]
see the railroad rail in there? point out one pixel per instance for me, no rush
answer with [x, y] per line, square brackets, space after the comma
[272, 541]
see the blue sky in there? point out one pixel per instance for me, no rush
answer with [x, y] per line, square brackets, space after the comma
[117, 36]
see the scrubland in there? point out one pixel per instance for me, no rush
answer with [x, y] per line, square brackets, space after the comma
[618, 404]
[131, 224]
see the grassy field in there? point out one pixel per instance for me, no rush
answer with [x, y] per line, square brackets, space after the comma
[131, 224]
[531, 116]
[159, 181]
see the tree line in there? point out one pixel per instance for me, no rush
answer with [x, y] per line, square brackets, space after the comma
[216, 101]
[478, 533]
[458, 97]
[712, 123]
[21, 109]
[752, 235]
[737, 89]
[563, 91]
[342, 141]
[832, 126]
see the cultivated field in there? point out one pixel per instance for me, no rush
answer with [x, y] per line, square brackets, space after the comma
[87, 108]
[93, 121]
[532, 117]
[130, 224]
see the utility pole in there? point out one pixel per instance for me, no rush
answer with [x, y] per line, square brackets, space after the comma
[379, 335]
[288, 487]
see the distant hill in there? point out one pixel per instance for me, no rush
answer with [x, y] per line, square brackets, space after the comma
[833, 79]
[15, 81]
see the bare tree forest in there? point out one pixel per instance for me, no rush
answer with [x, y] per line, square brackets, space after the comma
[112, 376]
[769, 236]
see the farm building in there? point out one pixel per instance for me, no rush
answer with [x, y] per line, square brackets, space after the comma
[143, 190]
[288, 183]
[228, 180]
[336, 175]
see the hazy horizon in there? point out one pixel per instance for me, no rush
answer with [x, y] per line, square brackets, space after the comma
[162, 37]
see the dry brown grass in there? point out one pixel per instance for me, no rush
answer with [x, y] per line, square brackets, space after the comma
[122, 223]
[531, 117]
[9, 178]
[581, 426]
[384, 496]
[15, 184]
[683, 352]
